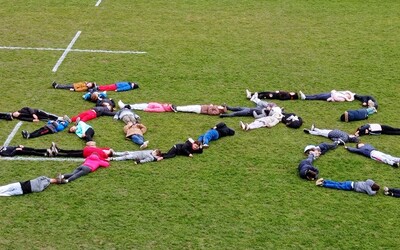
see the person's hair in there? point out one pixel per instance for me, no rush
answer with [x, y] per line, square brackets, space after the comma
[311, 175]
[70, 129]
[375, 187]
[94, 96]
[134, 85]
[342, 118]
[157, 152]
[91, 143]
[353, 138]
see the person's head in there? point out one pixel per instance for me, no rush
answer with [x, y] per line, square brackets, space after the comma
[91, 143]
[311, 175]
[293, 121]
[375, 187]
[94, 96]
[361, 131]
[196, 145]
[221, 109]
[353, 138]
[72, 129]
[134, 85]
[360, 145]
[308, 148]
[371, 104]
[90, 85]
[156, 152]
[15, 114]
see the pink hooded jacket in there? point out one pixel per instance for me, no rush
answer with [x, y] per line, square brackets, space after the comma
[93, 161]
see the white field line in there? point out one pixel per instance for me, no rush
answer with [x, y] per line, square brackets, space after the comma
[12, 134]
[20, 158]
[66, 51]
[77, 50]
[98, 3]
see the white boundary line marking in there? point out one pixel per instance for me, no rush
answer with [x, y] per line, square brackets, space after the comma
[98, 3]
[109, 51]
[77, 50]
[19, 158]
[28, 48]
[11, 136]
[66, 51]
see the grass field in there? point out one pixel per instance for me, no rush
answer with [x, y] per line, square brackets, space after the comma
[244, 191]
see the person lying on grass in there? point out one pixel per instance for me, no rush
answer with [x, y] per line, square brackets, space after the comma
[139, 157]
[91, 164]
[188, 148]
[368, 187]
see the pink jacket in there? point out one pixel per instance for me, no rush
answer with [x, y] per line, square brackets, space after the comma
[93, 161]
[158, 107]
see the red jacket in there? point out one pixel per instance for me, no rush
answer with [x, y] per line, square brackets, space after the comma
[88, 150]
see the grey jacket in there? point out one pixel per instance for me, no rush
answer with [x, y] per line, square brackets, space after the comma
[39, 184]
[364, 187]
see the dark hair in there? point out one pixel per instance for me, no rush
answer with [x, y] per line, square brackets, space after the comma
[158, 152]
[342, 118]
[292, 123]
[311, 175]
[375, 187]
[354, 139]
[135, 85]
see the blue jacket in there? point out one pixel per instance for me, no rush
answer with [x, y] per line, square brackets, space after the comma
[306, 165]
[57, 126]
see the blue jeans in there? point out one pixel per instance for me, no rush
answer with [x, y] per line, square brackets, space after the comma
[210, 135]
[322, 96]
[345, 185]
[138, 139]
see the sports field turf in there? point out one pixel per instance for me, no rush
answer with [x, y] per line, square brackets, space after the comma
[244, 191]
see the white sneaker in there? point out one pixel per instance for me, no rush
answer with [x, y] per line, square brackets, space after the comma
[144, 145]
[312, 127]
[302, 95]
[248, 94]
[254, 97]
[121, 105]
[242, 125]
[319, 182]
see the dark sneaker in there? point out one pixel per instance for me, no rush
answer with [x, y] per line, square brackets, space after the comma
[173, 107]
[396, 164]
[54, 84]
[54, 148]
[49, 153]
[25, 134]
[306, 131]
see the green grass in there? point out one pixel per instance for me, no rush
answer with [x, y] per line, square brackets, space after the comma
[241, 193]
